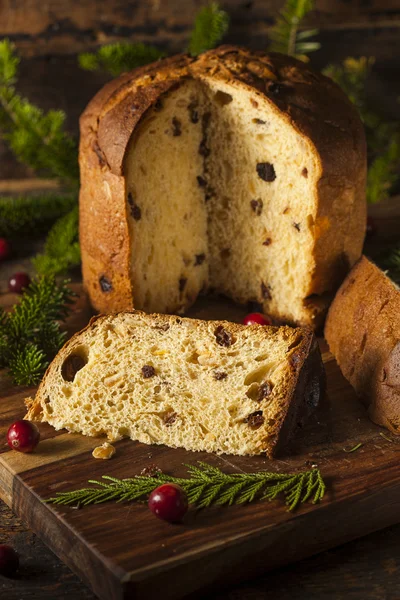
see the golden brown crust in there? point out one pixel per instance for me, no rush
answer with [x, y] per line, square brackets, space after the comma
[363, 333]
[304, 375]
[312, 104]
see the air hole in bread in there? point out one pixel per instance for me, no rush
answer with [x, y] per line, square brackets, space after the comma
[74, 363]
[253, 391]
[257, 376]
[123, 431]
[222, 98]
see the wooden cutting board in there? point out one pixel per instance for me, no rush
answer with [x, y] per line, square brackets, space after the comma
[123, 551]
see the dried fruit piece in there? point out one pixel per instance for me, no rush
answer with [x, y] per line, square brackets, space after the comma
[264, 391]
[304, 172]
[135, 209]
[266, 291]
[267, 242]
[148, 371]
[170, 418]
[104, 452]
[255, 419]
[266, 171]
[105, 284]
[257, 206]
[223, 337]
[199, 259]
[220, 375]
[176, 127]
[193, 112]
[296, 226]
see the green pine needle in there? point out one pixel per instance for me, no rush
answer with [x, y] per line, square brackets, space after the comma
[27, 365]
[383, 137]
[30, 334]
[389, 261]
[62, 250]
[37, 139]
[119, 57]
[34, 214]
[205, 486]
[285, 34]
[383, 172]
[210, 26]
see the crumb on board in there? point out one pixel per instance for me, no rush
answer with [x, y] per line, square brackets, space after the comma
[105, 451]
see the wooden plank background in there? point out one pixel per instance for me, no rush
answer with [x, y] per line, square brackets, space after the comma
[50, 34]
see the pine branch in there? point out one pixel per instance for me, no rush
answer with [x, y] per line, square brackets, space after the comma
[285, 34]
[62, 250]
[383, 172]
[34, 214]
[210, 26]
[30, 334]
[37, 139]
[383, 137]
[27, 365]
[119, 57]
[205, 486]
[390, 261]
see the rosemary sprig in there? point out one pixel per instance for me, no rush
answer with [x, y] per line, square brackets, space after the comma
[205, 485]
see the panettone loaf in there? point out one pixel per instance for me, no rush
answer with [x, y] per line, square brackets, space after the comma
[363, 333]
[236, 171]
[202, 385]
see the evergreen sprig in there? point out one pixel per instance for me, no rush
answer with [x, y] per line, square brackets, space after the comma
[285, 34]
[30, 334]
[389, 261]
[38, 139]
[205, 485]
[210, 26]
[119, 57]
[383, 136]
[33, 214]
[61, 250]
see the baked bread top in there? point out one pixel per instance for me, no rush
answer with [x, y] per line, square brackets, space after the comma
[363, 333]
[203, 385]
[312, 106]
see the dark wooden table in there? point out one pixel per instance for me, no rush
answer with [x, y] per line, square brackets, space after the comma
[366, 569]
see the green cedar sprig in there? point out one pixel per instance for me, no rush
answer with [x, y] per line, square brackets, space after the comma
[37, 139]
[383, 137]
[33, 214]
[210, 26]
[61, 251]
[119, 57]
[205, 485]
[389, 261]
[285, 34]
[30, 333]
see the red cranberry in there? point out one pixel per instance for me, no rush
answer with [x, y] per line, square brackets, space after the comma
[18, 282]
[256, 319]
[9, 560]
[23, 436]
[169, 502]
[371, 227]
[4, 248]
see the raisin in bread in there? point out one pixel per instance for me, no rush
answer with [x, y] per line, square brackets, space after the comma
[201, 385]
[363, 333]
[236, 171]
